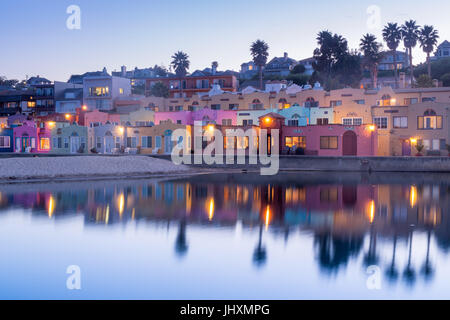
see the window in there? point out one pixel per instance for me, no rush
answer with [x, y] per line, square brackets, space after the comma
[178, 108]
[226, 122]
[233, 106]
[247, 122]
[31, 104]
[120, 90]
[352, 121]
[361, 101]
[66, 143]
[436, 144]
[299, 142]
[5, 142]
[381, 122]
[131, 142]
[322, 121]
[45, 144]
[99, 91]
[400, 122]
[99, 142]
[293, 123]
[409, 101]
[147, 142]
[215, 107]
[328, 142]
[178, 121]
[335, 103]
[428, 99]
[429, 122]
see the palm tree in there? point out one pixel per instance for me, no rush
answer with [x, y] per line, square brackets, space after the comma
[372, 55]
[180, 63]
[428, 40]
[410, 35]
[392, 35]
[260, 52]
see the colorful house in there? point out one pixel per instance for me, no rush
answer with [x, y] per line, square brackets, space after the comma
[69, 139]
[158, 139]
[205, 115]
[6, 140]
[106, 139]
[31, 139]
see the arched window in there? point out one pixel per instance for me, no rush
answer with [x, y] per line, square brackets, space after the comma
[256, 101]
[430, 112]
[282, 100]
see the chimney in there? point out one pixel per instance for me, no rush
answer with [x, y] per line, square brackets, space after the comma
[285, 56]
[105, 71]
[123, 70]
[214, 67]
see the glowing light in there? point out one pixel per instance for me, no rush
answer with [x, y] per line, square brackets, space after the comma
[107, 215]
[413, 140]
[413, 196]
[51, 207]
[393, 101]
[51, 124]
[68, 116]
[121, 130]
[268, 120]
[372, 127]
[121, 204]
[211, 209]
[84, 108]
[211, 128]
[267, 220]
[372, 211]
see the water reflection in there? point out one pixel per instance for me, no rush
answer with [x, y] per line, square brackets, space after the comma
[347, 217]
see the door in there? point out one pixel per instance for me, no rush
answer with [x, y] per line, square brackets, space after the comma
[75, 144]
[406, 148]
[168, 144]
[25, 144]
[349, 144]
[109, 144]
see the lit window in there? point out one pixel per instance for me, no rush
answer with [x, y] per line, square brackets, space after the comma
[45, 144]
[328, 142]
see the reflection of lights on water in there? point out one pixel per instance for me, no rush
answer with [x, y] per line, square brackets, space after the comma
[267, 221]
[211, 209]
[121, 204]
[133, 214]
[372, 211]
[51, 206]
[413, 196]
[107, 215]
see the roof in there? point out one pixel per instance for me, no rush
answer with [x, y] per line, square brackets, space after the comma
[38, 79]
[444, 44]
[272, 115]
[280, 63]
[78, 78]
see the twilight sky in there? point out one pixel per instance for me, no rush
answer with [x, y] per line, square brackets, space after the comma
[142, 33]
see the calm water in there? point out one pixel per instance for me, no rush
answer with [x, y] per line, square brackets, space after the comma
[228, 236]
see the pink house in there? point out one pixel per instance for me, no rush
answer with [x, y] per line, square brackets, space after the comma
[31, 139]
[205, 115]
[96, 118]
[332, 140]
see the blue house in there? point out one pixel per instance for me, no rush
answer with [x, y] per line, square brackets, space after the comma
[6, 140]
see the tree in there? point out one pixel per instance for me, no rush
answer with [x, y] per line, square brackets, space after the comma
[428, 40]
[424, 81]
[180, 63]
[410, 34]
[8, 83]
[334, 64]
[446, 80]
[160, 71]
[298, 69]
[159, 89]
[260, 52]
[372, 55]
[392, 35]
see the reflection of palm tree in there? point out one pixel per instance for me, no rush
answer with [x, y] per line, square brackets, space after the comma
[371, 257]
[409, 274]
[427, 269]
[181, 246]
[392, 272]
[260, 254]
